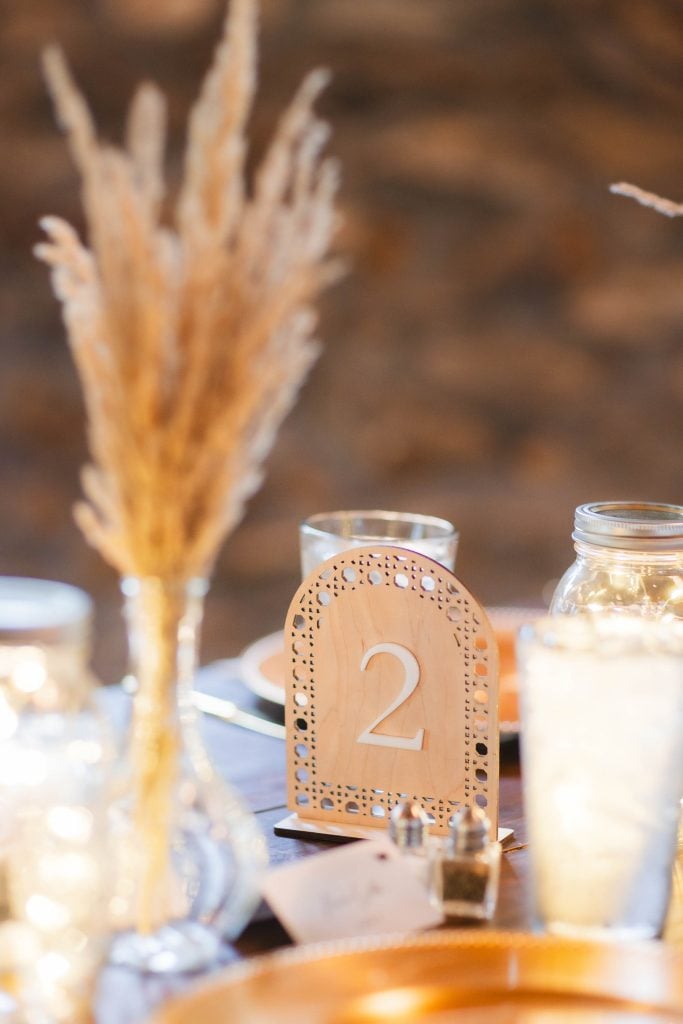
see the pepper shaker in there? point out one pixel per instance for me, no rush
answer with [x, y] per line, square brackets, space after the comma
[465, 870]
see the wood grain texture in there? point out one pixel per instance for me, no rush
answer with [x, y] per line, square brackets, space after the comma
[343, 768]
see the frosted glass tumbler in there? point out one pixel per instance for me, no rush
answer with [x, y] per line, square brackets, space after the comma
[329, 533]
[602, 770]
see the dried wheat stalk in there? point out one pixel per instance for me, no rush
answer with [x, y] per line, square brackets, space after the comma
[191, 343]
[655, 202]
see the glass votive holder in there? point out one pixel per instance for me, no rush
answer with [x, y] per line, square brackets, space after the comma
[59, 881]
[602, 772]
[330, 533]
[55, 778]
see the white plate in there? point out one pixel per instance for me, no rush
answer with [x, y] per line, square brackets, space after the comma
[262, 667]
[262, 664]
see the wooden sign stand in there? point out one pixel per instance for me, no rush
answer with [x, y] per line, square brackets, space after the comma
[391, 694]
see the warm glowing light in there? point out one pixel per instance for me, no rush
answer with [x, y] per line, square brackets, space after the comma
[22, 767]
[53, 967]
[74, 875]
[19, 945]
[29, 671]
[394, 1002]
[85, 751]
[45, 914]
[73, 824]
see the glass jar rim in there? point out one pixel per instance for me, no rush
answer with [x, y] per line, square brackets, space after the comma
[630, 525]
[43, 610]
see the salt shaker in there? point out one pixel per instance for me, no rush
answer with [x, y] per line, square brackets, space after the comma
[466, 868]
[407, 825]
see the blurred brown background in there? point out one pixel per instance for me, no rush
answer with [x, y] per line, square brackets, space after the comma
[509, 341]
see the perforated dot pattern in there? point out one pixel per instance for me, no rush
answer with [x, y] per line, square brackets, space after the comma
[423, 582]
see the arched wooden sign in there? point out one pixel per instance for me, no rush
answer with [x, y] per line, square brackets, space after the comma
[392, 692]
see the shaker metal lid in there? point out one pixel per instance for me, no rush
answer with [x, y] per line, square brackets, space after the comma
[469, 830]
[407, 823]
[630, 525]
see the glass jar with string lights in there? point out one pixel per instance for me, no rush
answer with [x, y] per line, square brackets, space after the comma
[55, 774]
[629, 560]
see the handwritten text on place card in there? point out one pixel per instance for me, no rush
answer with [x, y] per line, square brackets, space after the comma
[365, 888]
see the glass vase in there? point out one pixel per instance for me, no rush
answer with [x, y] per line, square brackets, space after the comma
[190, 853]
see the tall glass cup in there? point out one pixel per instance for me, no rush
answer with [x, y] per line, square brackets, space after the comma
[602, 770]
[329, 533]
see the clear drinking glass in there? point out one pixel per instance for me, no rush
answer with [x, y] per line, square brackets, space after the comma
[329, 533]
[601, 741]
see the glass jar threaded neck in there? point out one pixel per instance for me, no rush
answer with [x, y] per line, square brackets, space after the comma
[650, 558]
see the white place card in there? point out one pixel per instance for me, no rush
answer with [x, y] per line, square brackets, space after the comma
[365, 888]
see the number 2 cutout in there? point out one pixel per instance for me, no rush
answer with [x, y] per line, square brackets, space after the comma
[411, 677]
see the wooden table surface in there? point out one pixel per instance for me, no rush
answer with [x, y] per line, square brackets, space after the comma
[255, 764]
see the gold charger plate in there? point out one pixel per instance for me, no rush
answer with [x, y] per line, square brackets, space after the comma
[444, 977]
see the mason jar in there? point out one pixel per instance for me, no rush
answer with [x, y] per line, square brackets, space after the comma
[55, 853]
[629, 559]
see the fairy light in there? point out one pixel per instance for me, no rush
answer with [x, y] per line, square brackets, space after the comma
[72, 824]
[29, 670]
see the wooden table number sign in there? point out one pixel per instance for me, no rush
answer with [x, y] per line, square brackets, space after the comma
[391, 693]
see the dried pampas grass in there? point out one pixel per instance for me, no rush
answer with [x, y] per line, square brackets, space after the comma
[191, 342]
[655, 202]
